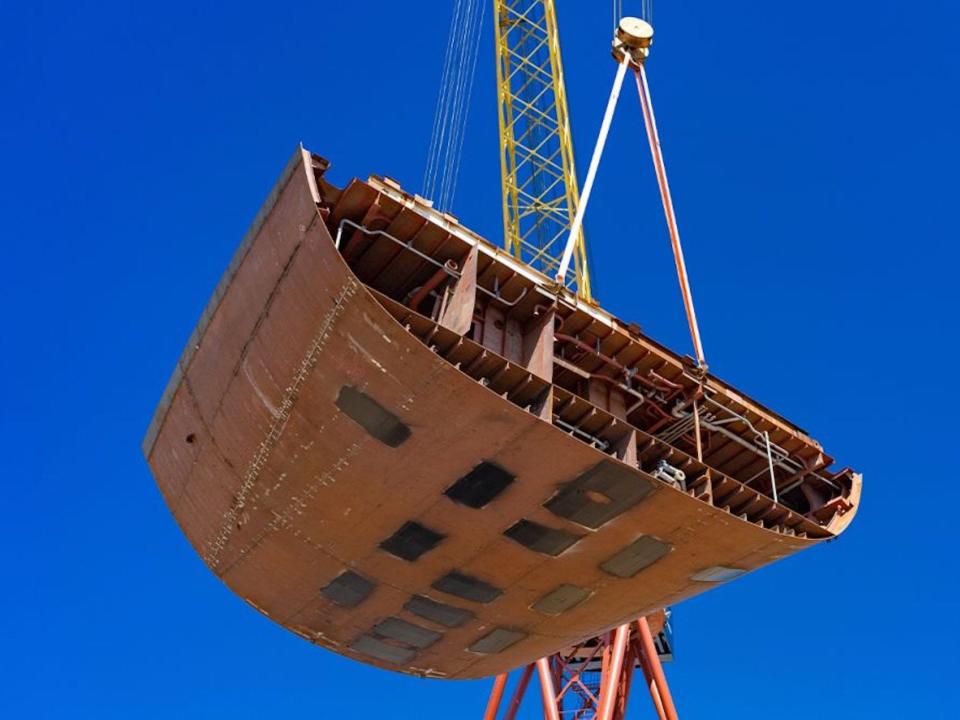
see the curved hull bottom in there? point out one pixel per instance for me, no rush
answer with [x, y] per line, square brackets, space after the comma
[368, 495]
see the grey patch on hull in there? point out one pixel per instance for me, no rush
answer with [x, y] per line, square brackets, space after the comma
[440, 613]
[372, 417]
[497, 641]
[405, 632]
[561, 599]
[599, 495]
[411, 541]
[468, 588]
[717, 574]
[349, 589]
[375, 648]
[479, 486]
[636, 556]
[540, 538]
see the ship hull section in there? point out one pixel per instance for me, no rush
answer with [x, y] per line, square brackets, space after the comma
[308, 440]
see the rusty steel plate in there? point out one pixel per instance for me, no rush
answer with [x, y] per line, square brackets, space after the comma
[364, 493]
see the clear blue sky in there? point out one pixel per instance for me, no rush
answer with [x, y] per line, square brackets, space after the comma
[813, 152]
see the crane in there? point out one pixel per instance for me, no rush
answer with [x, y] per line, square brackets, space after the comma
[538, 172]
[542, 226]
[541, 196]
[502, 380]
[507, 381]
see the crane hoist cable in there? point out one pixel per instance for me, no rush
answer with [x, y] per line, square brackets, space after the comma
[453, 102]
[631, 48]
[646, 11]
[617, 11]
[440, 114]
[453, 170]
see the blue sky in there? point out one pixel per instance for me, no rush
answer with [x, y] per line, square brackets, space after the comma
[813, 158]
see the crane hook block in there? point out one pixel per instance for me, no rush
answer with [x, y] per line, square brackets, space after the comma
[634, 37]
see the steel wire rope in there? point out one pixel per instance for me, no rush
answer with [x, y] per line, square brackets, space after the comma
[450, 99]
[455, 106]
[431, 153]
[441, 113]
[448, 134]
[455, 176]
[467, 67]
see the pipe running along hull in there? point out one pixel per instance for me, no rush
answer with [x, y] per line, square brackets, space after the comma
[413, 451]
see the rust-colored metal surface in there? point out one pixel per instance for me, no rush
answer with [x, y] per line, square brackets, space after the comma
[594, 679]
[343, 456]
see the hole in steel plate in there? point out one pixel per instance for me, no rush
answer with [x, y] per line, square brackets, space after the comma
[597, 497]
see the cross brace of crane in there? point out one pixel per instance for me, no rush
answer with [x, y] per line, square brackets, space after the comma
[591, 680]
[565, 690]
[538, 173]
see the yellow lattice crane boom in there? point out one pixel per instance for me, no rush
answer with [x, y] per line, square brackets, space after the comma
[540, 192]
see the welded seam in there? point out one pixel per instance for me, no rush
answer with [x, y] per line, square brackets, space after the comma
[282, 519]
[274, 292]
[267, 445]
[208, 432]
[215, 300]
[185, 380]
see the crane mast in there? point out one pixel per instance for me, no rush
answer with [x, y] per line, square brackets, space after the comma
[540, 192]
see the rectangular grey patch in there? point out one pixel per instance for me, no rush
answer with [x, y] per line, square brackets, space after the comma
[718, 574]
[540, 538]
[603, 492]
[405, 632]
[349, 589]
[440, 613]
[561, 600]
[636, 556]
[497, 641]
[372, 417]
[375, 648]
[467, 587]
